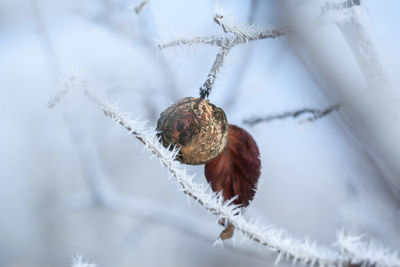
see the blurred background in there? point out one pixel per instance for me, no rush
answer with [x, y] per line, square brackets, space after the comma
[72, 181]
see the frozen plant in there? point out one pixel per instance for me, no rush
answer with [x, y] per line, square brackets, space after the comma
[350, 251]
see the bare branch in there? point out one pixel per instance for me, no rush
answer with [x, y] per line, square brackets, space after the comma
[315, 114]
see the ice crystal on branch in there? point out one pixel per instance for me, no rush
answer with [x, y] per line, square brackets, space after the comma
[371, 254]
[228, 25]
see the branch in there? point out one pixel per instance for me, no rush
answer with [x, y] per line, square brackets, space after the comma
[241, 32]
[315, 114]
[273, 239]
[205, 89]
[220, 41]
[369, 254]
[223, 41]
[241, 35]
[244, 33]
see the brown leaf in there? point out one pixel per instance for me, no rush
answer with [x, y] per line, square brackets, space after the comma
[227, 233]
[236, 170]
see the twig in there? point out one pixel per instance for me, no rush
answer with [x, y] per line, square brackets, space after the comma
[241, 32]
[315, 114]
[222, 41]
[205, 89]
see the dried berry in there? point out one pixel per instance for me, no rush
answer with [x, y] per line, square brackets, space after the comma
[236, 170]
[196, 126]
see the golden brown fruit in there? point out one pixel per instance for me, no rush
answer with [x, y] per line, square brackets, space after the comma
[196, 126]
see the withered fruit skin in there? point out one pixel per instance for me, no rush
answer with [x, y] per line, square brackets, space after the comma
[195, 125]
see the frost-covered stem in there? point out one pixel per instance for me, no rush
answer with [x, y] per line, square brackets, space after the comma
[223, 41]
[241, 34]
[210, 40]
[166, 158]
[269, 34]
[219, 19]
[315, 114]
[367, 254]
[272, 238]
[205, 89]
[226, 43]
